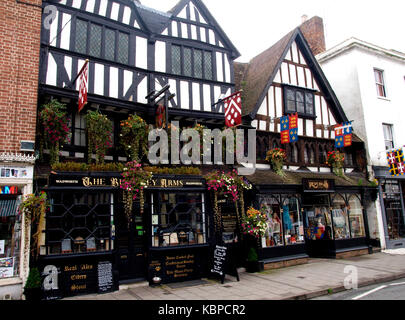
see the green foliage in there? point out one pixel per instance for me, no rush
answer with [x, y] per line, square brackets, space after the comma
[99, 135]
[252, 255]
[55, 131]
[33, 280]
[174, 171]
[84, 167]
[360, 182]
[134, 137]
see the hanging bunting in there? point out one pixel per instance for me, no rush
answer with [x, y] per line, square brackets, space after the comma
[289, 128]
[396, 162]
[343, 135]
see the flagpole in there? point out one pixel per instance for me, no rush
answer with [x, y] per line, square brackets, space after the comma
[222, 100]
[78, 75]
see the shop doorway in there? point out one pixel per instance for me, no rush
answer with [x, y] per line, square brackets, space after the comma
[393, 203]
[131, 244]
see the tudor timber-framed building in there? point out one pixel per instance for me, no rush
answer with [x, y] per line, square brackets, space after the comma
[311, 211]
[133, 50]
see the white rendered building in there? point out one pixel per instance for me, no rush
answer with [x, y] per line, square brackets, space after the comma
[369, 82]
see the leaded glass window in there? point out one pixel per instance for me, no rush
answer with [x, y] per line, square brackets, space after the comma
[109, 44]
[123, 43]
[176, 59]
[299, 100]
[81, 36]
[290, 100]
[187, 62]
[95, 40]
[198, 63]
[208, 65]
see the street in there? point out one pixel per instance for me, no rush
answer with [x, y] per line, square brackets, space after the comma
[393, 290]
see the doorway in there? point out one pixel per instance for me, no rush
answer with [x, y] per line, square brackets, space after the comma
[131, 243]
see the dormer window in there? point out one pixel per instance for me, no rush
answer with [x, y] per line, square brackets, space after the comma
[299, 100]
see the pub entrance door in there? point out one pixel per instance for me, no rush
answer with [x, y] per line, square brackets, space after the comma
[131, 245]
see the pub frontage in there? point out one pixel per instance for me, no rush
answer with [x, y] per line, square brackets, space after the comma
[91, 246]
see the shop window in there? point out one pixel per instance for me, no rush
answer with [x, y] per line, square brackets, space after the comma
[178, 219]
[274, 235]
[356, 218]
[340, 218]
[79, 222]
[318, 218]
[293, 224]
[10, 236]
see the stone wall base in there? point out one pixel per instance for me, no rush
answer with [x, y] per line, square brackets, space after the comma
[349, 254]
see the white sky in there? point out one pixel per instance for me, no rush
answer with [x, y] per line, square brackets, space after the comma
[255, 25]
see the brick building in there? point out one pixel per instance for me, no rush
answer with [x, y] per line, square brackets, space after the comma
[20, 23]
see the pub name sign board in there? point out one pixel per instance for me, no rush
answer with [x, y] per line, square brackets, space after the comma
[115, 182]
[318, 185]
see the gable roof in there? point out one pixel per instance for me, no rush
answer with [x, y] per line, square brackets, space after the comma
[262, 70]
[155, 20]
[210, 20]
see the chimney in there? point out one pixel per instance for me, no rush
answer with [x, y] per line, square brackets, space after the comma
[313, 32]
[304, 18]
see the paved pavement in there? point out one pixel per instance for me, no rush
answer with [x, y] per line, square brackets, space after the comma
[317, 278]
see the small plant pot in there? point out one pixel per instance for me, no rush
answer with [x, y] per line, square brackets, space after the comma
[252, 266]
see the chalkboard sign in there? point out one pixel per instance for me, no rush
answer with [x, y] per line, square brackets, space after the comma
[223, 264]
[105, 277]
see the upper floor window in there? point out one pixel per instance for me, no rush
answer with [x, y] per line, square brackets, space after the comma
[388, 136]
[379, 81]
[191, 62]
[300, 101]
[90, 38]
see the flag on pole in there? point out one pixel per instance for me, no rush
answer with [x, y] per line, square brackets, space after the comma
[289, 128]
[396, 162]
[233, 110]
[83, 86]
[343, 135]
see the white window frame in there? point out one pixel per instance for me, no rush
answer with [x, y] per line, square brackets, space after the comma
[383, 83]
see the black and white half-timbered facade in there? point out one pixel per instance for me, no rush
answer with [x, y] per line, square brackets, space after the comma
[312, 212]
[132, 50]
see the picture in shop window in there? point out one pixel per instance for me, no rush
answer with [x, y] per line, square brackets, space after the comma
[178, 219]
[285, 223]
[347, 215]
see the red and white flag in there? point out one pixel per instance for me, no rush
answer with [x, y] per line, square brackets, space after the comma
[83, 86]
[233, 110]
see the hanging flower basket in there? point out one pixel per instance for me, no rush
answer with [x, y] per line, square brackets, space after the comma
[99, 133]
[276, 158]
[55, 132]
[336, 159]
[134, 180]
[134, 137]
[254, 223]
